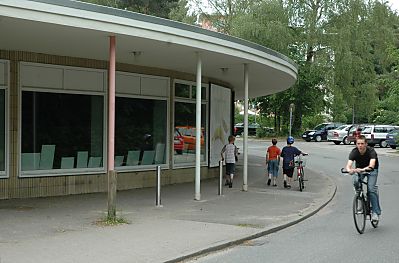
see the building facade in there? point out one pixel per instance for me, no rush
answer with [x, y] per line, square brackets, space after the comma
[55, 93]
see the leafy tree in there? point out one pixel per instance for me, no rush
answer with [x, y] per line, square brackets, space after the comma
[160, 8]
[181, 13]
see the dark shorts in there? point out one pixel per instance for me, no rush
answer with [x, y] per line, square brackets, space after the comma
[289, 172]
[230, 168]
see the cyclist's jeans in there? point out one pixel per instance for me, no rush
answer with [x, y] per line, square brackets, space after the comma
[371, 188]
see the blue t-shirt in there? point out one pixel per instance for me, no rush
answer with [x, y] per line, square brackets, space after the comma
[288, 153]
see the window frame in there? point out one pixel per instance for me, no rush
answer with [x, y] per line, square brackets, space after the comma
[206, 115]
[167, 157]
[6, 88]
[62, 172]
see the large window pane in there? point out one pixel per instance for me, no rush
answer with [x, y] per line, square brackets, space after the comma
[2, 131]
[61, 131]
[185, 132]
[140, 131]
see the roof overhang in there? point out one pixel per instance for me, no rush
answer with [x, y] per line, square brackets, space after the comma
[76, 29]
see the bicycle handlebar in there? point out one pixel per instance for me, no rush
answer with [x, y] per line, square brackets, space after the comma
[366, 171]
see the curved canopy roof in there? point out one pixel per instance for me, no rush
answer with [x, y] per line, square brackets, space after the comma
[77, 29]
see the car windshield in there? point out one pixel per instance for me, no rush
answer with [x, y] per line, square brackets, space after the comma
[342, 127]
[319, 127]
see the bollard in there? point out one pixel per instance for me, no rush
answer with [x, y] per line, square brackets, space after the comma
[220, 192]
[158, 187]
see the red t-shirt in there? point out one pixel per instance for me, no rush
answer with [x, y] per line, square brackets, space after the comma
[273, 151]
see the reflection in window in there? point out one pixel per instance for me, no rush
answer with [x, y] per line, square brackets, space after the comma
[2, 131]
[186, 132]
[61, 131]
[182, 90]
[140, 131]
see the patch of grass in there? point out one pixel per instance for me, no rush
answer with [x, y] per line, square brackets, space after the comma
[111, 221]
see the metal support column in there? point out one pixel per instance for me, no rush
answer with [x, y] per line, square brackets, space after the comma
[198, 131]
[245, 143]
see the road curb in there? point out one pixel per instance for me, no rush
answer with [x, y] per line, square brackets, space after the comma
[263, 232]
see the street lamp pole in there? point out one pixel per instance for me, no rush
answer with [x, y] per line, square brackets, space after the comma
[291, 109]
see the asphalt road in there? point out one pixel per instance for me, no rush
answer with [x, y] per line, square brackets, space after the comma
[330, 235]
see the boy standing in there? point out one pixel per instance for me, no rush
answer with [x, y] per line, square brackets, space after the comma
[288, 153]
[272, 162]
[230, 151]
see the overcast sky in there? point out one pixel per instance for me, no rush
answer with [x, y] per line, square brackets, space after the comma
[394, 4]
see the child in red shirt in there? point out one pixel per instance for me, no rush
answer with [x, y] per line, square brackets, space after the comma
[272, 162]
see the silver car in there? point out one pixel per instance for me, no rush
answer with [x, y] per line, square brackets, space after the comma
[339, 135]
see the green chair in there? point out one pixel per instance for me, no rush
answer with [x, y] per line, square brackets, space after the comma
[47, 157]
[82, 159]
[132, 158]
[159, 153]
[30, 161]
[148, 157]
[119, 160]
[67, 162]
[94, 162]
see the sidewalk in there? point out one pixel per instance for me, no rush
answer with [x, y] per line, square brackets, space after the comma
[63, 229]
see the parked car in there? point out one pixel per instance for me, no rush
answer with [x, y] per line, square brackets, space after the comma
[377, 134]
[239, 128]
[178, 142]
[319, 133]
[339, 134]
[392, 138]
[189, 134]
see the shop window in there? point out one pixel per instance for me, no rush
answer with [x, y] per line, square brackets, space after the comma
[140, 132]
[185, 132]
[61, 131]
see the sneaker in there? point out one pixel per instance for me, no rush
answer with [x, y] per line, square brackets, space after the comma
[285, 184]
[274, 185]
[288, 186]
[269, 181]
[375, 217]
[230, 185]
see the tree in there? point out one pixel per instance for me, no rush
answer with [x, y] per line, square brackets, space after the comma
[159, 8]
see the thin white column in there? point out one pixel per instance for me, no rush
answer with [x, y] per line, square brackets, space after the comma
[111, 104]
[198, 131]
[245, 143]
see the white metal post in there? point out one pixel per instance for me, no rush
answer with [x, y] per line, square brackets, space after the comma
[198, 131]
[245, 143]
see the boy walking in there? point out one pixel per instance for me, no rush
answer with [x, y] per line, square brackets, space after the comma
[272, 162]
[288, 153]
[230, 152]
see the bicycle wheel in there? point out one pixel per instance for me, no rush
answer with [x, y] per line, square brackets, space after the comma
[359, 213]
[374, 223]
[303, 178]
[300, 180]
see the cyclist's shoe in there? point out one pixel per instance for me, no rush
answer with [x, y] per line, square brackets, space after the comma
[269, 181]
[285, 184]
[375, 217]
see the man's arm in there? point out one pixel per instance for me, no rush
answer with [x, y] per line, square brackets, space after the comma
[349, 167]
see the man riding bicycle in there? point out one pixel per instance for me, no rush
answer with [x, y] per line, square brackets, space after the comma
[365, 158]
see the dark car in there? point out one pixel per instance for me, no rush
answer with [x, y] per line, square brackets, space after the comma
[239, 128]
[319, 133]
[392, 138]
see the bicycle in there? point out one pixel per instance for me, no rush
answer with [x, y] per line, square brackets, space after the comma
[361, 204]
[300, 163]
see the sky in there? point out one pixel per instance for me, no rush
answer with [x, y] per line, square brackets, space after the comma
[394, 4]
